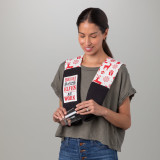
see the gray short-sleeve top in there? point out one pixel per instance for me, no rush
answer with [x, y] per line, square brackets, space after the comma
[99, 128]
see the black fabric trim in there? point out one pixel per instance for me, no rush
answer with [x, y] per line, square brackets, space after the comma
[96, 92]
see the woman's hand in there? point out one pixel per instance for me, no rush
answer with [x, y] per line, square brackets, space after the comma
[93, 108]
[58, 116]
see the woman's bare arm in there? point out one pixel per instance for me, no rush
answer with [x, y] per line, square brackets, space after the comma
[121, 119]
[60, 103]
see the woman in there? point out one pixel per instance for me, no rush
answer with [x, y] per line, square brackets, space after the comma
[99, 138]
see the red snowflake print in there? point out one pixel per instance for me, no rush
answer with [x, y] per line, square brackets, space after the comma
[114, 66]
[112, 60]
[75, 61]
[106, 79]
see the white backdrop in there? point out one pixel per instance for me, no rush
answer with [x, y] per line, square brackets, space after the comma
[37, 35]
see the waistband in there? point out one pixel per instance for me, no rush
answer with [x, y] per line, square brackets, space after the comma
[79, 140]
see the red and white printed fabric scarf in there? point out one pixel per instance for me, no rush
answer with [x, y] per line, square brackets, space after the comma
[98, 88]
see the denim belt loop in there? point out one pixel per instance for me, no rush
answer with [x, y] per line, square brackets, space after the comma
[67, 139]
[92, 142]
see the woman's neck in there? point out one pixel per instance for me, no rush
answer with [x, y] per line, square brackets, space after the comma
[94, 60]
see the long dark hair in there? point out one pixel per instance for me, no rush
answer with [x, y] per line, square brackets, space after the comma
[99, 18]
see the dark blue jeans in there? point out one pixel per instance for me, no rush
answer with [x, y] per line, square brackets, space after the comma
[81, 149]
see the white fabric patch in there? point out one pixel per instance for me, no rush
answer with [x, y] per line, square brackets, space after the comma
[70, 88]
[107, 72]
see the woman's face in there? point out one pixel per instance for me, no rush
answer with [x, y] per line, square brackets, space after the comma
[90, 38]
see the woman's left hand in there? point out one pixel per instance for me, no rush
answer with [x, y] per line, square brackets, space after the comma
[93, 108]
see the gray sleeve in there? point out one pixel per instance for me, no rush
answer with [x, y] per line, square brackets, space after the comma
[57, 81]
[126, 89]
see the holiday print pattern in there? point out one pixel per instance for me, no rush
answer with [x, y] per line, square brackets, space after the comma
[106, 72]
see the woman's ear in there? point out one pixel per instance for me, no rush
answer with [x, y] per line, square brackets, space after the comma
[105, 33]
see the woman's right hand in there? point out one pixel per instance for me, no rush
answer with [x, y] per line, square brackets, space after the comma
[58, 116]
